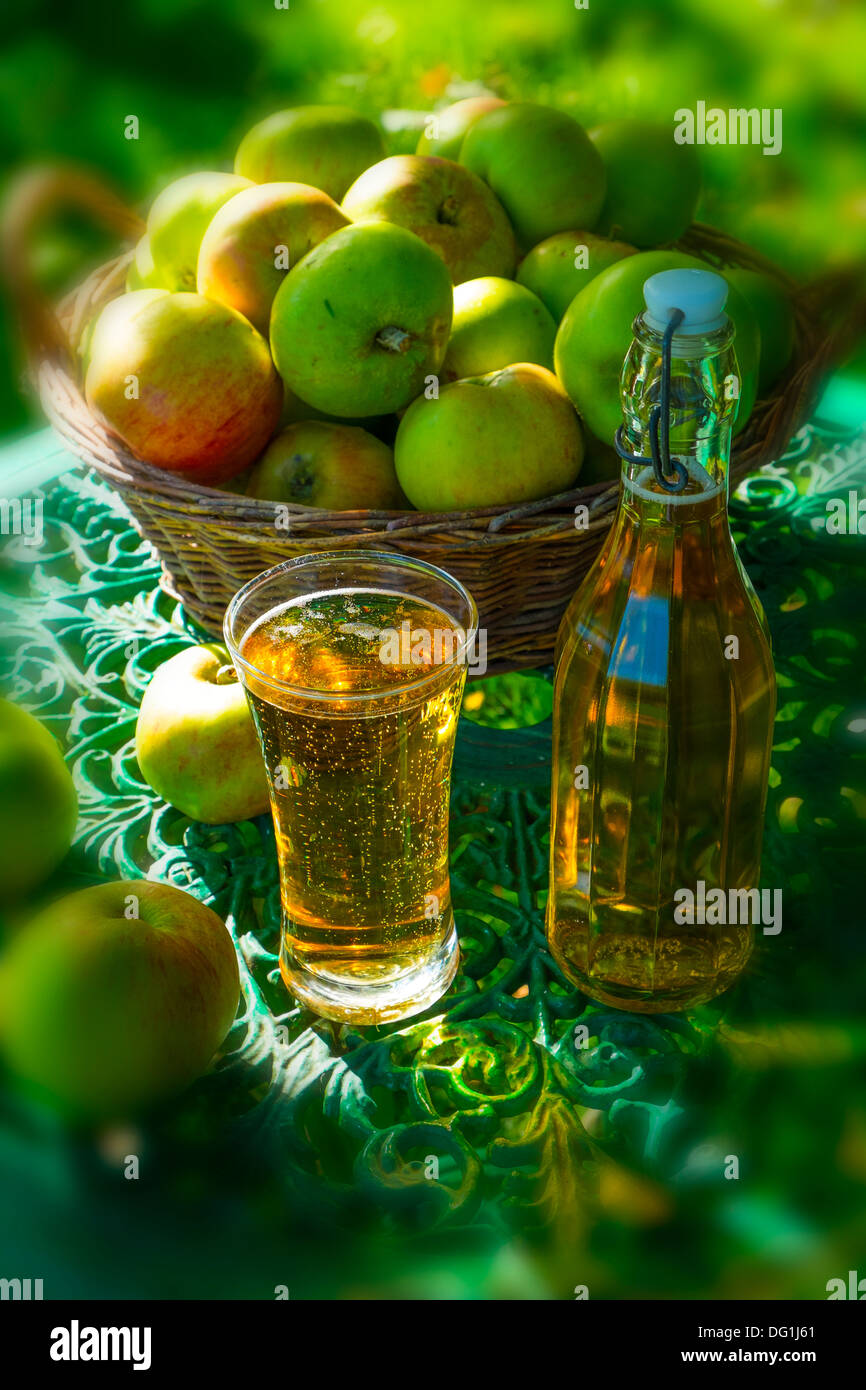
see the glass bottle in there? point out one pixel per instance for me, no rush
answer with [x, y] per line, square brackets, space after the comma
[664, 690]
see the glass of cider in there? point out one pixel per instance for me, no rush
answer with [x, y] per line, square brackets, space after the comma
[354, 663]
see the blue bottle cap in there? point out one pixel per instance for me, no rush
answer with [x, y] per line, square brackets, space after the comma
[700, 294]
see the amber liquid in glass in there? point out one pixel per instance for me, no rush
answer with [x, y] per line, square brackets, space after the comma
[661, 753]
[359, 786]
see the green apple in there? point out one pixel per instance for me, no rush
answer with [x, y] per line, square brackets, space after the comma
[772, 308]
[359, 325]
[295, 410]
[445, 129]
[496, 323]
[542, 166]
[116, 997]
[653, 184]
[255, 239]
[560, 267]
[338, 467]
[38, 805]
[601, 462]
[494, 440]
[187, 384]
[596, 333]
[326, 146]
[453, 211]
[142, 273]
[177, 221]
[195, 740]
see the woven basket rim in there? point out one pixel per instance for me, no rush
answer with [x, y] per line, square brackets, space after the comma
[89, 437]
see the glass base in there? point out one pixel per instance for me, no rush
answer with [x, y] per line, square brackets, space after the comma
[355, 999]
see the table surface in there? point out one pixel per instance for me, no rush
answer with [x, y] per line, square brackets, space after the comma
[607, 1165]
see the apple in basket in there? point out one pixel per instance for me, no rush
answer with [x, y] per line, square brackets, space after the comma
[447, 206]
[504, 438]
[444, 130]
[653, 184]
[255, 238]
[542, 166]
[176, 224]
[496, 323]
[187, 384]
[363, 321]
[596, 330]
[325, 146]
[559, 267]
[316, 463]
[116, 997]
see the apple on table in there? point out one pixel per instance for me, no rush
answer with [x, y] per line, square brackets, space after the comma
[38, 804]
[115, 998]
[195, 739]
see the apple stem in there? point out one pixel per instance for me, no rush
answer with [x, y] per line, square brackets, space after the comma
[393, 339]
[448, 211]
[225, 675]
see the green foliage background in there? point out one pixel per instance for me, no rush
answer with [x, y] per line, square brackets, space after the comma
[197, 73]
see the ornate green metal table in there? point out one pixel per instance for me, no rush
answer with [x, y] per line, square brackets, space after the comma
[515, 1141]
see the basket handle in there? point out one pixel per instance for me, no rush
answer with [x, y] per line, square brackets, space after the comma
[31, 196]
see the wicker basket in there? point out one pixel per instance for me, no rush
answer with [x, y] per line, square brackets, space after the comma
[521, 564]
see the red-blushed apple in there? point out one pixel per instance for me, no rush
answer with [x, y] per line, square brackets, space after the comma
[115, 998]
[256, 238]
[449, 208]
[326, 146]
[177, 222]
[187, 384]
[195, 740]
[318, 464]
[361, 323]
[38, 804]
[542, 166]
[496, 323]
[443, 134]
[496, 440]
[557, 269]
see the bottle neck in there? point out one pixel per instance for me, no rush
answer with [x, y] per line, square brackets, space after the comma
[642, 502]
[703, 399]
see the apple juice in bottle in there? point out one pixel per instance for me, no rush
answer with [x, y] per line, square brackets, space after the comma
[664, 689]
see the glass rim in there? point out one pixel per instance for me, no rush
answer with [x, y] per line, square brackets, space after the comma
[389, 558]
